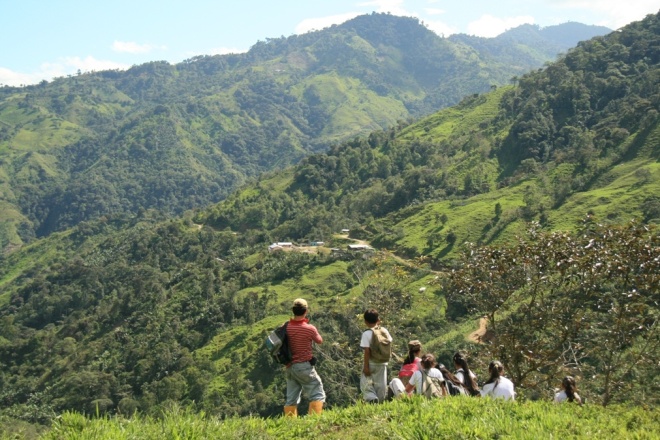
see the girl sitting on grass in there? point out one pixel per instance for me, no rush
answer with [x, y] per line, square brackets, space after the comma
[465, 375]
[497, 385]
[568, 392]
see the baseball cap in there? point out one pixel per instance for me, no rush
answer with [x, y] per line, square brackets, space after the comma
[299, 303]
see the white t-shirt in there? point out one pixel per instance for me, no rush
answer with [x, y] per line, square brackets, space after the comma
[365, 342]
[504, 389]
[562, 397]
[460, 375]
[417, 379]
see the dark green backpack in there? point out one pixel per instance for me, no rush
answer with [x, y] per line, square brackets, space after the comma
[431, 386]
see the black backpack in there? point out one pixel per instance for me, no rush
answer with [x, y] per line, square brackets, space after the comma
[454, 390]
[277, 344]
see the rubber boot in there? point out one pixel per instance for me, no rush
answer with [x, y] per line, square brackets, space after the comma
[291, 411]
[315, 407]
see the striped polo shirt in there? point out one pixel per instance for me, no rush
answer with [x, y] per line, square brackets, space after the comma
[301, 334]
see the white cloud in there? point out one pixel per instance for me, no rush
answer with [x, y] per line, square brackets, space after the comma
[618, 13]
[134, 48]
[62, 67]
[392, 6]
[310, 24]
[441, 28]
[90, 63]
[489, 26]
[11, 78]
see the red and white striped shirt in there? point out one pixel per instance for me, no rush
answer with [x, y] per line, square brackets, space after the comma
[301, 334]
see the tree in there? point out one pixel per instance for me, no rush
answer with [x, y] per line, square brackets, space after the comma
[586, 303]
[498, 210]
[531, 198]
[651, 209]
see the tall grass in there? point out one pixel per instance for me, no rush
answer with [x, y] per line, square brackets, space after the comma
[417, 418]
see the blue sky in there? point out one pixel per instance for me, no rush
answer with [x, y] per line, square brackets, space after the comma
[43, 39]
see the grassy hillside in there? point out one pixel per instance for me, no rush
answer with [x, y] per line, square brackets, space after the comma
[176, 137]
[143, 312]
[411, 419]
[616, 196]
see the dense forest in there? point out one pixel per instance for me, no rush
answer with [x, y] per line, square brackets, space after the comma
[534, 200]
[176, 137]
[570, 123]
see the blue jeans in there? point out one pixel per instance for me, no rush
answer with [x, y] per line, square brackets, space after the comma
[299, 377]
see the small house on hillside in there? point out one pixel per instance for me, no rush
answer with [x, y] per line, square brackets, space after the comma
[317, 243]
[279, 246]
[359, 247]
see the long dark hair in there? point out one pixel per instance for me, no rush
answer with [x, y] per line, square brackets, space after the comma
[448, 375]
[468, 381]
[495, 368]
[568, 383]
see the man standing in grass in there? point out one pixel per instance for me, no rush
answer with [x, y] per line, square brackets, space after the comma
[300, 373]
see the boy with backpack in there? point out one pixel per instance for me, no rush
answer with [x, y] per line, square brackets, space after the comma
[377, 345]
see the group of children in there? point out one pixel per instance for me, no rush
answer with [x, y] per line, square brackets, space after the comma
[421, 374]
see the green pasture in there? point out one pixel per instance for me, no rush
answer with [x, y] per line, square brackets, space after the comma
[405, 419]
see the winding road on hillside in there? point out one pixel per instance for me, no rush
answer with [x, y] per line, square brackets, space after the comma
[479, 335]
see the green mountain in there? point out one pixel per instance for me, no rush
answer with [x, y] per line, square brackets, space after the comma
[129, 313]
[526, 45]
[174, 137]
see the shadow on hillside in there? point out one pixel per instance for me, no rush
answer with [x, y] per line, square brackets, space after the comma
[445, 251]
[643, 138]
[640, 141]
[489, 236]
[509, 157]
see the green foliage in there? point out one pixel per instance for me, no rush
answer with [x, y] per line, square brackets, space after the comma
[583, 304]
[410, 418]
[567, 111]
[176, 137]
[137, 312]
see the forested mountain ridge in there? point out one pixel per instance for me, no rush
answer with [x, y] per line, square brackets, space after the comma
[504, 49]
[121, 314]
[561, 131]
[173, 137]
